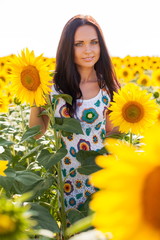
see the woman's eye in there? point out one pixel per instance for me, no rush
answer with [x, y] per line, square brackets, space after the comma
[78, 44]
[94, 42]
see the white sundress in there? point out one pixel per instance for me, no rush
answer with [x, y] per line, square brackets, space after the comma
[91, 114]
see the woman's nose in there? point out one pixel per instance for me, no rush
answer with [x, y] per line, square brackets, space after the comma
[88, 48]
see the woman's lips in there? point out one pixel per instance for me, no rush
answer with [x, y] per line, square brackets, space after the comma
[88, 59]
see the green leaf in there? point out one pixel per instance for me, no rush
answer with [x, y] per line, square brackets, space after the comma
[84, 208]
[42, 186]
[70, 125]
[74, 215]
[66, 97]
[39, 188]
[102, 151]
[47, 235]
[116, 135]
[31, 132]
[6, 155]
[48, 160]
[44, 112]
[83, 224]
[44, 219]
[87, 160]
[6, 183]
[25, 181]
[27, 177]
[4, 142]
[2, 127]
[33, 152]
[66, 134]
[36, 186]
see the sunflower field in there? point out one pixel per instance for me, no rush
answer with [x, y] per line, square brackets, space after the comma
[31, 186]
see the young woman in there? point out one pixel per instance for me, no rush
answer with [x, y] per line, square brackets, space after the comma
[84, 71]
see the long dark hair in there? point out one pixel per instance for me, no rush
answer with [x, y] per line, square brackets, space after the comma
[67, 78]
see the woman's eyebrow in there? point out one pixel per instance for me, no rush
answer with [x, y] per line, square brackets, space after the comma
[79, 40]
[83, 40]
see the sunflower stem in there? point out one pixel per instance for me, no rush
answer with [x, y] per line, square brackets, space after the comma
[80, 225]
[130, 138]
[60, 187]
[24, 128]
[23, 121]
[60, 182]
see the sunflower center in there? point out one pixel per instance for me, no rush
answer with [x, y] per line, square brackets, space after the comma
[144, 81]
[2, 78]
[158, 78]
[151, 198]
[132, 112]
[30, 78]
[158, 117]
[7, 225]
[1, 103]
[125, 73]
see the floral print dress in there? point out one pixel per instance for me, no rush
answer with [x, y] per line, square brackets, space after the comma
[91, 114]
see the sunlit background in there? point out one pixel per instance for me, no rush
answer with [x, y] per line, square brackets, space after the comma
[30, 166]
[131, 27]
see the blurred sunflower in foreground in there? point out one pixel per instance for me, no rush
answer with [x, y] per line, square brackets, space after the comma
[30, 77]
[133, 110]
[3, 167]
[15, 220]
[128, 203]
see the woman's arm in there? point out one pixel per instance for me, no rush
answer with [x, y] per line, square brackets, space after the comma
[35, 120]
[109, 126]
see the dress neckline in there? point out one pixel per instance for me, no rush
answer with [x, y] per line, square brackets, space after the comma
[90, 99]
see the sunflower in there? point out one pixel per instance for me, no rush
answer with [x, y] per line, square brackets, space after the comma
[2, 62]
[158, 115]
[126, 74]
[3, 167]
[128, 203]
[30, 77]
[1, 84]
[133, 110]
[3, 75]
[4, 102]
[156, 77]
[16, 222]
[144, 80]
[137, 71]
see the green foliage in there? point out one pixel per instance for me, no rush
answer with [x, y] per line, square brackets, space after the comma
[33, 163]
[43, 213]
[31, 132]
[66, 97]
[87, 160]
[48, 160]
[27, 172]
[68, 125]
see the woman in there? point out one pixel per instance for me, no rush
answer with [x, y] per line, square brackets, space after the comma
[84, 71]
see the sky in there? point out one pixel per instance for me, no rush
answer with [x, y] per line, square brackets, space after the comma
[130, 27]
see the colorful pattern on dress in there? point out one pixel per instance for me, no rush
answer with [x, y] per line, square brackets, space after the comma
[91, 114]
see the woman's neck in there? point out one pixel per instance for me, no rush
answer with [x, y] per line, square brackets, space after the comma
[88, 75]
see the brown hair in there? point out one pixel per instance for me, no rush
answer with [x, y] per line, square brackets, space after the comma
[66, 76]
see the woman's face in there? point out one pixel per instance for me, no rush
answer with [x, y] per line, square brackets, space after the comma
[86, 47]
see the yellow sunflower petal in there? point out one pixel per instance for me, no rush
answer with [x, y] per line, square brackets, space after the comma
[128, 203]
[3, 167]
[133, 110]
[30, 78]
